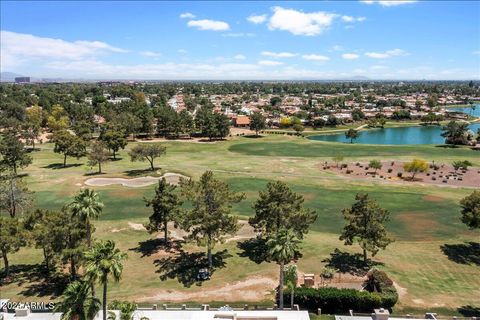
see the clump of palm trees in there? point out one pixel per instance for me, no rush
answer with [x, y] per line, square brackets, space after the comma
[102, 262]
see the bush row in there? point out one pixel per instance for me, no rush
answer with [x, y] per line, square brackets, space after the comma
[339, 301]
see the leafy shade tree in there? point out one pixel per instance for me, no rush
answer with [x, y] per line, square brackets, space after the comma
[83, 129]
[471, 210]
[352, 134]
[166, 207]
[283, 248]
[13, 153]
[212, 124]
[14, 194]
[114, 139]
[455, 133]
[69, 145]
[147, 151]
[33, 125]
[12, 238]
[98, 155]
[58, 118]
[298, 128]
[415, 166]
[291, 278]
[365, 225]
[210, 217]
[129, 122]
[257, 122]
[279, 208]
[86, 205]
[101, 261]
[375, 164]
[77, 302]
[49, 231]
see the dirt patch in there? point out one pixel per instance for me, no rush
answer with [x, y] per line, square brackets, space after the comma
[172, 178]
[136, 226]
[420, 224]
[401, 290]
[393, 172]
[418, 301]
[252, 289]
[432, 198]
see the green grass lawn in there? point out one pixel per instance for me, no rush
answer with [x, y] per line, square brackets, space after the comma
[423, 218]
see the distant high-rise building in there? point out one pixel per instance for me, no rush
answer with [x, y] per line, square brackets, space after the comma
[22, 79]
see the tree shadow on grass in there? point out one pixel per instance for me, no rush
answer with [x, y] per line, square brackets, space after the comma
[253, 136]
[186, 266]
[469, 311]
[38, 282]
[153, 246]
[347, 262]
[464, 253]
[254, 249]
[96, 173]
[140, 172]
[57, 166]
[447, 146]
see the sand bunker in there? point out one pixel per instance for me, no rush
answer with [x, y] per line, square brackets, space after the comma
[172, 178]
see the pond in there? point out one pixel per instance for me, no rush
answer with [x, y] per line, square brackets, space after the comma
[395, 136]
[473, 112]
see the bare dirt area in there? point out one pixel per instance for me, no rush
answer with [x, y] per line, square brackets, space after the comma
[172, 178]
[393, 172]
[339, 280]
[253, 289]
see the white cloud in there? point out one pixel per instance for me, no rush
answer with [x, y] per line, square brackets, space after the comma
[387, 54]
[257, 19]
[269, 63]
[24, 45]
[397, 52]
[206, 24]
[315, 57]
[182, 51]
[238, 34]
[187, 15]
[350, 56]
[150, 54]
[300, 23]
[239, 57]
[337, 48]
[377, 55]
[476, 52]
[278, 54]
[378, 67]
[388, 3]
[353, 19]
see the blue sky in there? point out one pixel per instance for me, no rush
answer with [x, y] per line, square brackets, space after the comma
[242, 40]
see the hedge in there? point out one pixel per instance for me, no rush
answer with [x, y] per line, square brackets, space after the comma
[334, 301]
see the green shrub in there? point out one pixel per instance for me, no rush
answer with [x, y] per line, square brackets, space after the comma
[126, 308]
[334, 301]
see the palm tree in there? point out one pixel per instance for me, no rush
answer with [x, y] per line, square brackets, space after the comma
[102, 260]
[77, 303]
[282, 249]
[86, 205]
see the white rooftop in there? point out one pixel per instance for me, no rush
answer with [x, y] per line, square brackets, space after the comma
[371, 318]
[184, 315]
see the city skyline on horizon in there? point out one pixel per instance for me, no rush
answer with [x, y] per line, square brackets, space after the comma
[377, 40]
